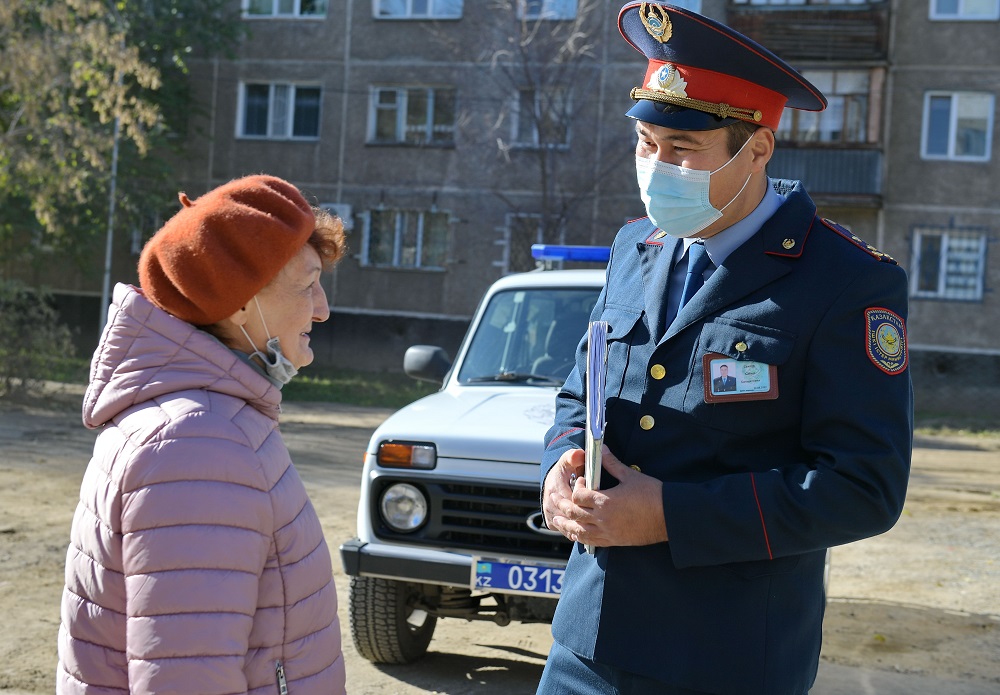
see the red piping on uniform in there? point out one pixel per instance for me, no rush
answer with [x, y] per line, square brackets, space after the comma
[569, 431]
[652, 241]
[767, 541]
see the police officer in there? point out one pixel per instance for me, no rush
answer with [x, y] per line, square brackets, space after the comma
[717, 508]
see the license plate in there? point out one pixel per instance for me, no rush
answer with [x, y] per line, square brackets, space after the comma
[516, 577]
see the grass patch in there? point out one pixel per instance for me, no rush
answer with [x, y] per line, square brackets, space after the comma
[958, 428]
[321, 385]
[962, 424]
[377, 389]
[388, 390]
[69, 370]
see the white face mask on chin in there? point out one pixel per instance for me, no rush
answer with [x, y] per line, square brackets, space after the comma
[277, 366]
[677, 198]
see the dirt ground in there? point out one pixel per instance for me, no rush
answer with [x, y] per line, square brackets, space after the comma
[923, 598]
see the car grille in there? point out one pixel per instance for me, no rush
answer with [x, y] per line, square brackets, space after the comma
[483, 519]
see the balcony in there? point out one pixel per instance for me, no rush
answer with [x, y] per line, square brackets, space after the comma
[839, 33]
[842, 176]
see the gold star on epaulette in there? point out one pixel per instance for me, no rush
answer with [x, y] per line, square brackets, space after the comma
[885, 257]
[859, 242]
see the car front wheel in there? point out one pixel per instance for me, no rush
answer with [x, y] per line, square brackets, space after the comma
[386, 625]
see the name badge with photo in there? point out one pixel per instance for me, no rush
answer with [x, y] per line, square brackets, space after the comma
[727, 379]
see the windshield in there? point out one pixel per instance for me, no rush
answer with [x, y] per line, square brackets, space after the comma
[529, 336]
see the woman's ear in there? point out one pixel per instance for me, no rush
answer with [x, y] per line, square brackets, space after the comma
[239, 318]
[228, 329]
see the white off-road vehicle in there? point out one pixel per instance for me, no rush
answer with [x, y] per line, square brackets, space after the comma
[449, 524]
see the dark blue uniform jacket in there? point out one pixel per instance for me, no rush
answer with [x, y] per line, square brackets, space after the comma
[754, 491]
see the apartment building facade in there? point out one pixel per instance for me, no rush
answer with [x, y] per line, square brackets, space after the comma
[904, 157]
[450, 135]
[400, 116]
[942, 197]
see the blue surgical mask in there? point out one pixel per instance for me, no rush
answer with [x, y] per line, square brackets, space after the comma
[676, 197]
[277, 366]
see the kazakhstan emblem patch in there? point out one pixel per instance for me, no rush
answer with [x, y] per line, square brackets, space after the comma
[886, 340]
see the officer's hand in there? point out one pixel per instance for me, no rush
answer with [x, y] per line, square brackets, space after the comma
[631, 513]
[557, 488]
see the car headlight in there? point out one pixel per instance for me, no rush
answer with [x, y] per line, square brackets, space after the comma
[403, 507]
[407, 455]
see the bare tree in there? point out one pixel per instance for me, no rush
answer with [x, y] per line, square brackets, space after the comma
[542, 61]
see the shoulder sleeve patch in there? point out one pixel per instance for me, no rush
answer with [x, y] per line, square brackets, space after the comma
[885, 340]
[859, 242]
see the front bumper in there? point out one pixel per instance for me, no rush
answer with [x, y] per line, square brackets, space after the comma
[391, 562]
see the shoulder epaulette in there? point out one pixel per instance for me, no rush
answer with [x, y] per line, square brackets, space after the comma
[859, 242]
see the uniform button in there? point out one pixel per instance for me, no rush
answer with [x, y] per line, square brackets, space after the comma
[788, 243]
[741, 346]
[657, 371]
[646, 422]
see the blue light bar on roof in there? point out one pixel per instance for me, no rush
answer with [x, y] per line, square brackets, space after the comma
[557, 252]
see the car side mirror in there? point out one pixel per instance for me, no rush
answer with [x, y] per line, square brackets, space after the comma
[426, 363]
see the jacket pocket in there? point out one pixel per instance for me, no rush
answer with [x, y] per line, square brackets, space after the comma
[625, 329]
[744, 343]
[621, 320]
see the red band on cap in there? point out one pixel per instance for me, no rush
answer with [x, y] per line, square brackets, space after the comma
[718, 88]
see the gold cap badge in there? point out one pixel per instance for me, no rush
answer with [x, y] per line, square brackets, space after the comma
[668, 81]
[656, 21]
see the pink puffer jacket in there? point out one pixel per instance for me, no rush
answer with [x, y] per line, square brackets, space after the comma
[196, 563]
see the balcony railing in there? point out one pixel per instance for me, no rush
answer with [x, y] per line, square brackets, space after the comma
[849, 33]
[830, 172]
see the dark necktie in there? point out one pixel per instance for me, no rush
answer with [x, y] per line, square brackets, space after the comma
[698, 261]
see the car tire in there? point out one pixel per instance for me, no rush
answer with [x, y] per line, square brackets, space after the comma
[386, 626]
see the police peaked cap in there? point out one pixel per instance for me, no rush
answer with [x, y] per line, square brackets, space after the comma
[702, 75]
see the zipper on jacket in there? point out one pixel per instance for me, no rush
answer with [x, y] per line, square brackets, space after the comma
[279, 672]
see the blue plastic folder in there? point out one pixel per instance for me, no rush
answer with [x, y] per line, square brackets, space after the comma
[597, 364]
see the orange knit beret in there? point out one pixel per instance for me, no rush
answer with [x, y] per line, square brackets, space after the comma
[219, 251]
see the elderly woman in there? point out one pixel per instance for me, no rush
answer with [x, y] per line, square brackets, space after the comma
[197, 563]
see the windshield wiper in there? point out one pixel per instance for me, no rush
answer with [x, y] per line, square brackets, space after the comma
[518, 378]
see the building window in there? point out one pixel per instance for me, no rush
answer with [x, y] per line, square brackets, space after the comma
[406, 239]
[417, 9]
[965, 9]
[957, 126]
[541, 118]
[284, 8]
[546, 9]
[844, 120]
[949, 263]
[279, 111]
[412, 116]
